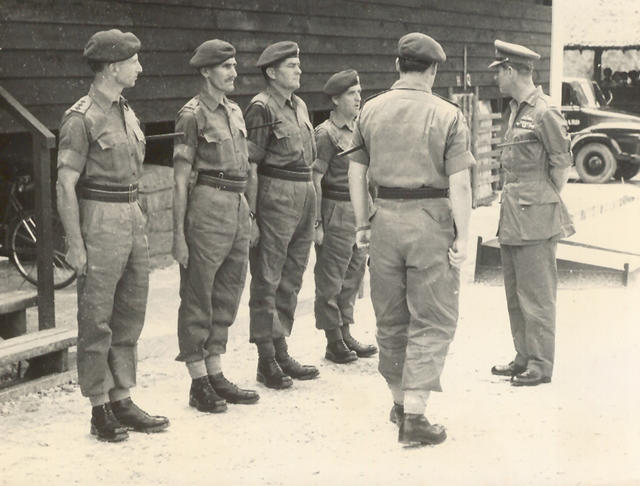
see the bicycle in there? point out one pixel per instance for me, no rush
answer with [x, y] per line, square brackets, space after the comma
[20, 237]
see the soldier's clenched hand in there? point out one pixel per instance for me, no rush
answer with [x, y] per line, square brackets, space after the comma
[180, 250]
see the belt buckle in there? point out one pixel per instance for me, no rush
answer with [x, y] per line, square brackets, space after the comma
[221, 175]
[133, 193]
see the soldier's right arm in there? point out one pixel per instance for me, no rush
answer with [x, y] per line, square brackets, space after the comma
[257, 140]
[359, 189]
[72, 158]
[184, 151]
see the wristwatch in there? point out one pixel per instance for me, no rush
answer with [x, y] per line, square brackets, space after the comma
[318, 223]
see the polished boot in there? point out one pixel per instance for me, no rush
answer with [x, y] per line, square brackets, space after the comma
[105, 426]
[530, 377]
[416, 429]
[270, 373]
[511, 369]
[338, 352]
[362, 350]
[396, 415]
[203, 397]
[134, 418]
[296, 370]
[230, 392]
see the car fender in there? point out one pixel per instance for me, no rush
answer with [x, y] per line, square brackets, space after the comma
[580, 139]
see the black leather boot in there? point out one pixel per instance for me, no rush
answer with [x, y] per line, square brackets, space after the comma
[338, 352]
[416, 429]
[296, 370]
[105, 426]
[362, 350]
[230, 392]
[396, 415]
[270, 373]
[134, 418]
[203, 397]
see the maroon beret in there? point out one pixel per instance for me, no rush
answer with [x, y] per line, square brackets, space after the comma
[277, 52]
[211, 53]
[341, 82]
[111, 46]
[420, 47]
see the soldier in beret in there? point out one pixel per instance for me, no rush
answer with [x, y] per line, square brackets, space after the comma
[100, 156]
[415, 147]
[532, 215]
[211, 226]
[340, 265]
[282, 200]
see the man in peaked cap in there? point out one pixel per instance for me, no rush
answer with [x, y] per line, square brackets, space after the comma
[211, 226]
[282, 200]
[532, 215]
[416, 150]
[340, 265]
[100, 155]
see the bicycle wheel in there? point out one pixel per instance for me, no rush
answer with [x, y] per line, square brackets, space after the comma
[22, 250]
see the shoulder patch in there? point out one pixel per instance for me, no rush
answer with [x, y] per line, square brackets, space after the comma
[81, 106]
[192, 104]
[446, 99]
[261, 98]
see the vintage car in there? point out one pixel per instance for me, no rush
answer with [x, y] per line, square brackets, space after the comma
[605, 142]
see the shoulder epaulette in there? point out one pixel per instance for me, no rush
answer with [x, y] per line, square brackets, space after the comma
[261, 98]
[446, 99]
[81, 106]
[192, 104]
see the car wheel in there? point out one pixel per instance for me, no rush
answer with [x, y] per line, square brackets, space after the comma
[595, 163]
[626, 170]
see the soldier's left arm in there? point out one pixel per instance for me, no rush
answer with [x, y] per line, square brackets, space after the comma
[552, 131]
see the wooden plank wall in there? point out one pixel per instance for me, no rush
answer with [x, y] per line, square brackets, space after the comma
[41, 58]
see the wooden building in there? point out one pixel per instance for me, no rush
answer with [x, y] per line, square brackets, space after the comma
[41, 58]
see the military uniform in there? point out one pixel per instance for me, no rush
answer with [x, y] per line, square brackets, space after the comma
[412, 141]
[101, 140]
[284, 150]
[532, 218]
[340, 264]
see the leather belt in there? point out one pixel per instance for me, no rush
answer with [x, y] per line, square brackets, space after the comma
[104, 193]
[335, 193]
[221, 181]
[424, 192]
[302, 174]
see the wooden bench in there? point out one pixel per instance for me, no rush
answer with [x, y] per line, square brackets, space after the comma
[47, 351]
[13, 311]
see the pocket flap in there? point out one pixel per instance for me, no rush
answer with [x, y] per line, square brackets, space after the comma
[216, 136]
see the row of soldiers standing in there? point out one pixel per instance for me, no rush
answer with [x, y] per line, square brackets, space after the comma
[258, 189]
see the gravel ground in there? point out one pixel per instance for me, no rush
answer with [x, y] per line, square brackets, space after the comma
[582, 429]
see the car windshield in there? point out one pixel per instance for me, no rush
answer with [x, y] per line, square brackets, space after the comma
[583, 93]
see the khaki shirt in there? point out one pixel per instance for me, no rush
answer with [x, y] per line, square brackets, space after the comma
[101, 139]
[215, 137]
[412, 138]
[333, 136]
[532, 209]
[288, 143]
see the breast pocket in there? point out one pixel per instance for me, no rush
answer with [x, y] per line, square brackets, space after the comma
[111, 152]
[287, 137]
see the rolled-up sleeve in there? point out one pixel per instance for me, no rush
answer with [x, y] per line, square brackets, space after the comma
[184, 146]
[74, 144]
[457, 155]
[326, 150]
[257, 138]
[552, 130]
[360, 156]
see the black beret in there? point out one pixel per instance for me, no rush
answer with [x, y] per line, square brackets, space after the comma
[211, 53]
[420, 47]
[340, 82]
[111, 46]
[277, 52]
[514, 53]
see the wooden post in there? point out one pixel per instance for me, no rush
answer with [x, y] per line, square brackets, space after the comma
[597, 64]
[44, 233]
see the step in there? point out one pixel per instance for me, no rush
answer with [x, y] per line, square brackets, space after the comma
[36, 344]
